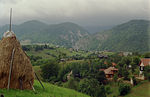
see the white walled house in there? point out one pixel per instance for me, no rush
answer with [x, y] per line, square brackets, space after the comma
[144, 62]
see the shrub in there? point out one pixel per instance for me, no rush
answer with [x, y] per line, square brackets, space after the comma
[115, 78]
[108, 90]
[50, 70]
[124, 89]
[72, 84]
[147, 72]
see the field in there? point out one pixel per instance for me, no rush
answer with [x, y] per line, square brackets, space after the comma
[50, 91]
[50, 53]
[141, 90]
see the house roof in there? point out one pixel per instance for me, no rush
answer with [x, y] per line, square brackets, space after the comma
[145, 61]
[105, 62]
[114, 64]
[110, 70]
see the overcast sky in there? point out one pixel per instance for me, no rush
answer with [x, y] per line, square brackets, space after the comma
[83, 12]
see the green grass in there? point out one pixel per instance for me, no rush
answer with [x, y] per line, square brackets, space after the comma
[141, 90]
[47, 53]
[50, 91]
[37, 70]
[114, 90]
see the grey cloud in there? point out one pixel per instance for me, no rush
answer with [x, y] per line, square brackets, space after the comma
[84, 12]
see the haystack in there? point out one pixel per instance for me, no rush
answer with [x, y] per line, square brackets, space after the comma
[22, 74]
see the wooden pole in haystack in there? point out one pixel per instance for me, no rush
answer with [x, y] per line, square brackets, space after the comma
[39, 81]
[32, 86]
[10, 70]
[10, 19]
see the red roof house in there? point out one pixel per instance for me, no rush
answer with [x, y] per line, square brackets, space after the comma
[114, 64]
[145, 62]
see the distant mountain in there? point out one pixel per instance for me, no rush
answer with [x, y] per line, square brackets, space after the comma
[94, 29]
[131, 36]
[64, 34]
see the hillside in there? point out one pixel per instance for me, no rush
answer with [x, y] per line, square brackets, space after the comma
[142, 90]
[131, 36]
[64, 34]
[50, 91]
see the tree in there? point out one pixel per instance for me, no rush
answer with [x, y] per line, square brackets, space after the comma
[115, 78]
[100, 76]
[100, 92]
[146, 55]
[125, 74]
[72, 84]
[92, 88]
[49, 70]
[63, 72]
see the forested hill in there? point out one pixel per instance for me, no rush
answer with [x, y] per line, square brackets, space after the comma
[64, 34]
[131, 36]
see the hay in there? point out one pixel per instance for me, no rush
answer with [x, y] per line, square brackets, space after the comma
[22, 71]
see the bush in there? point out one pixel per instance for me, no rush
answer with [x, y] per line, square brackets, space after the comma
[134, 81]
[72, 84]
[147, 72]
[124, 89]
[92, 88]
[115, 78]
[108, 90]
[100, 91]
[50, 70]
[148, 76]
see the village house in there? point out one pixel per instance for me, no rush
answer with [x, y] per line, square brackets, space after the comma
[125, 54]
[144, 62]
[110, 72]
[102, 56]
[114, 64]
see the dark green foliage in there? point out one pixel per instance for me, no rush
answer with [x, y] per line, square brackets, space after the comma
[26, 47]
[115, 77]
[100, 76]
[147, 72]
[125, 74]
[134, 80]
[146, 55]
[35, 58]
[101, 92]
[50, 70]
[62, 75]
[72, 84]
[108, 89]
[92, 88]
[124, 89]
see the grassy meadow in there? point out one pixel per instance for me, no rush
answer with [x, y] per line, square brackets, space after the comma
[141, 90]
[50, 91]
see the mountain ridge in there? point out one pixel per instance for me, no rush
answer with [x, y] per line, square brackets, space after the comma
[128, 36]
[39, 32]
